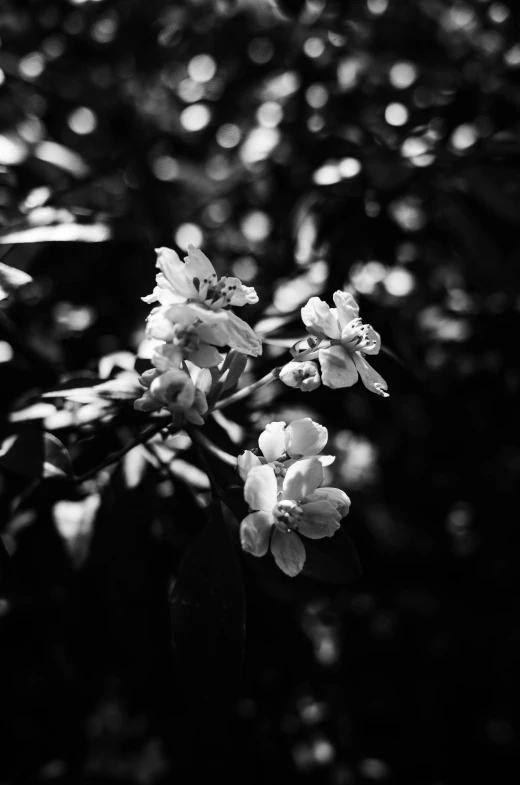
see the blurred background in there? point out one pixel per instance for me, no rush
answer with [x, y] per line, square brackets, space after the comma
[306, 146]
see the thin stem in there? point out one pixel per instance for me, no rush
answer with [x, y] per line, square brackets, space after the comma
[208, 445]
[251, 388]
[198, 441]
[152, 430]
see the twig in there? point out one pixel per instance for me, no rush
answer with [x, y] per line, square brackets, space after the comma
[152, 430]
[224, 456]
[245, 391]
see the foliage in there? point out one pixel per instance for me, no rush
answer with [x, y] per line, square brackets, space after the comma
[307, 147]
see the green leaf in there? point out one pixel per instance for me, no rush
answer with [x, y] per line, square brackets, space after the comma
[11, 279]
[332, 560]
[208, 625]
[36, 454]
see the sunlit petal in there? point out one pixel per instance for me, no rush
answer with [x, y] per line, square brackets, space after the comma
[302, 478]
[317, 316]
[373, 342]
[370, 378]
[246, 462]
[272, 441]
[174, 272]
[255, 531]
[199, 266]
[335, 496]
[260, 490]
[337, 368]
[347, 307]
[288, 551]
[305, 437]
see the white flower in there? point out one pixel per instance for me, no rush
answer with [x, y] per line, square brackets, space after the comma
[343, 361]
[179, 392]
[279, 517]
[282, 444]
[195, 280]
[303, 375]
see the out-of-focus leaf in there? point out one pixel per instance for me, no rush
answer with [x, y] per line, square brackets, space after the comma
[11, 279]
[37, 411]
[98, 232]
[62, 157]
[36, 454]
[208, 619]
[124, 388]
[332, 560]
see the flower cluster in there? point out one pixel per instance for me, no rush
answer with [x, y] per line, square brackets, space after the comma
[284, 493]
[340, 342]
[192, 319]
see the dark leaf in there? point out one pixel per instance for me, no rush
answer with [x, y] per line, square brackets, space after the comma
[208, 619]
[234, 369]
[332, 560]
[11, 279]
[36, 454]
[124, 388]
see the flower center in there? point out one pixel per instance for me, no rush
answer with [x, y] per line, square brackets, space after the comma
[354, 337]
[287, 514]
[186, 337]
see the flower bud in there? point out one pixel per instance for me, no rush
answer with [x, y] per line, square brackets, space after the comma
[245, 463]
[305, 437]
[305, 375]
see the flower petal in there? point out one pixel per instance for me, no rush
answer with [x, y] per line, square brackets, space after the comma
[255, 531]
[199, 266]
[261, 490]
[288, 551]
[337, 368]
[348, 308]
[212, 333]
[317, 316]
[174, 272]
[241, 336]
[167, 357]
[335, 496]
[374, 342]
[320, 519]
[302, 478]
[272, 441]
[305, 437]
[206, 356]
[370, 378]
[246, 462]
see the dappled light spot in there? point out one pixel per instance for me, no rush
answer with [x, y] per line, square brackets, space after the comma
[245, 268]
[189, 234]
[256, 226]
[366, 276]
[399, 282]
[31, 66]
[464, 137]
[403, 75]
[349, 167]
[259, 144]
[202, 68]
[6, 352]
[498, 13]
[228, 135]
[54, 46]
[269, 114]
[82, 121]
[512, 56]
[195, 118]
[314, 47]
[218, 212]
[13, 150]
[377, 7]
[350, 70]
[73, 318]
[260, 50]
[408, 213]
[316, 96]
[315, 123]
[190, 91]
[104, 30]
[165, 168]
[328, 174]
[396, 114]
